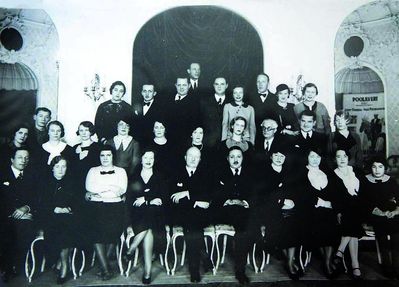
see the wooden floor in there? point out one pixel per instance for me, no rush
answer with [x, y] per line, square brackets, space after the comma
[274, 272]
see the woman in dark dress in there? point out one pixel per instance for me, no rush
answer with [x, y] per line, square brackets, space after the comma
[284, 112]
[381, 193]
[57, 207]
[127, 149]
[283, 221]
[106, 187]
[53, 147]
[350, 209]
[322, 226]
[145, 198]
[86, 157]
[19, 137]
[162, 148]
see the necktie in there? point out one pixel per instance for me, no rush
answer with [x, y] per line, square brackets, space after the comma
[220, 101]
[107, 172]
[306, 136]
[191, 173]
[20, 176]
[236, 172]
[178, 98]
[194, 85]
[267, 146]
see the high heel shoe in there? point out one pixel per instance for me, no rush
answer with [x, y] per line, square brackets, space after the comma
[355, 276]
[61, 280]
[146, 281]
[293, 275]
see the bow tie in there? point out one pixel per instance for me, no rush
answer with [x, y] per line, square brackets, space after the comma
[147, 104]
[107, 172]
[378, 180]
[263, 95]
[85, 148]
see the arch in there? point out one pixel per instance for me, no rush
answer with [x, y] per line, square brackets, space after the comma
[224, 43]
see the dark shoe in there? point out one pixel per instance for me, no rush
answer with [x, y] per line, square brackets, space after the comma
[208, 266]
[195, 277]
[146, 281]
[388, 272]
[337, 264]
[61, 280]
[292, 274]
[356, 277]
[105, 276]
[242, 278]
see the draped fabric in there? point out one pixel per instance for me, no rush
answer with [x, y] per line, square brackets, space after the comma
[224, 44]
[16, 77]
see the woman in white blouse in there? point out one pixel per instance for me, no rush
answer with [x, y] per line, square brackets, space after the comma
[106, 187]
[348, 205]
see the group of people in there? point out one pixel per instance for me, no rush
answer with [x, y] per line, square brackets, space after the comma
[195, 160]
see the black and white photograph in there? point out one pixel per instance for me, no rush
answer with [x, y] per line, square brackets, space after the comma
[191, 142]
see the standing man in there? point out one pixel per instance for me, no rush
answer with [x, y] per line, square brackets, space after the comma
[233, 202]
[146, 112]
[111, 112]
[211, 113]
[264, 101]
[190, 202]
[17, 202]
[183, 115]
[38, 134]
[194, 73]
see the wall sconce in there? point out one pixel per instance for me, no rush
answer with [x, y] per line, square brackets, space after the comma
[95, 92]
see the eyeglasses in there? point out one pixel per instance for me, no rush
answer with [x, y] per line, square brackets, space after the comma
[268, 129]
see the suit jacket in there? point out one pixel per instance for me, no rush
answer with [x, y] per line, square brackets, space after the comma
[211, 117]
[263, 110]
[184, 212]
[15, 193]
[144, 124]
[262, 156]
[182, 118]
[301, 146]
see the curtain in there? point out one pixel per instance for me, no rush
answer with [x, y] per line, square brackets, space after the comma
[224, 44]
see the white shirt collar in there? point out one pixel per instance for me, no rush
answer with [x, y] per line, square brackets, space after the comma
[16, 172]
[125, 141]
[193, 81]
[189, 169]
[146, 108]
[181, 97]
[217, 97]
[310, 133]
[270, 141]
[372, 179]
[233, 170]
[54, 150]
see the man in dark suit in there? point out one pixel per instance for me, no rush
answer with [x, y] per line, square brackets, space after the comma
[189, 208]
[146, 113]
[233, 203]
[16, 211]
[263, 101]
[308, 138]
[211, 113]
[194, 72]
[265, 146]
[38, 133]
[182, 115]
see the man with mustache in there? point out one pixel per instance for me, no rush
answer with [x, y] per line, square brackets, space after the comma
[233, 202]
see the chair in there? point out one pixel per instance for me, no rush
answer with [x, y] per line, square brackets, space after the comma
[225, 230]
[370, 235]
[265, 259]
[73, 264]
[30, 269]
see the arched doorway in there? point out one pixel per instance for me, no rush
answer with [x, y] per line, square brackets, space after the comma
[18, 90]
[366, 45]
[224, 43]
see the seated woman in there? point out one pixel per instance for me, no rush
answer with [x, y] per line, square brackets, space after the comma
[281, 214]
[237, 128]
[145, 199]
[19, 137]
[310, 92]
[161, 147]
[126, 147]
[284, 112]
[321, 229]
[381, 194]
[106, 187]
[53, 147]
[238, 108]
[56, 213]
[348, 184]
[344, 139]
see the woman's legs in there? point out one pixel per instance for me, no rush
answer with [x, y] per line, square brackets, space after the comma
[136, 241]
[64, 262]
[102, 258]
[327, 253]
[342, 246]
[148, 250]
[354, 252]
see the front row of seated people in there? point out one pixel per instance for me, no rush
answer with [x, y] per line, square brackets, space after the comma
[286, 186]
